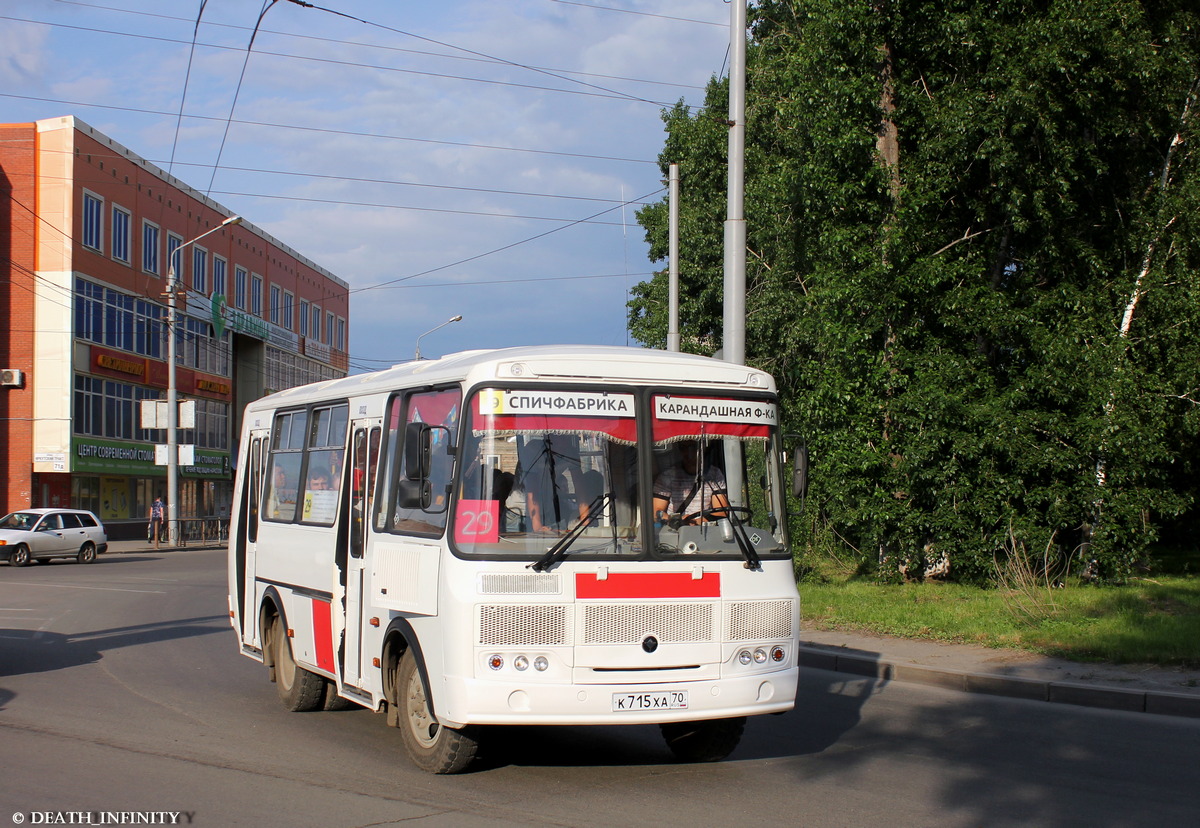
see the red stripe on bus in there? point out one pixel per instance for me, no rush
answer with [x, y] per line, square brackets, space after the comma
[322, 617]
[648, 585]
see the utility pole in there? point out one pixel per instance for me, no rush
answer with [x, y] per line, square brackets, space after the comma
[734, 323]
[673, 256]
[172, 391]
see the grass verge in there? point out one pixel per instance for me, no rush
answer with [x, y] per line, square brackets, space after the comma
[1151, 621]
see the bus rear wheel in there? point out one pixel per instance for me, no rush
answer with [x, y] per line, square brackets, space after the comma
[432, 747]
[299, 690]
[710, 740]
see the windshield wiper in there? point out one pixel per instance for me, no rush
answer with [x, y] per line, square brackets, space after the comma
[559, 551]
[743, 540]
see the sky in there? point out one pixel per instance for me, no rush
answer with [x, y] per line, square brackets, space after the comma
[462, 157]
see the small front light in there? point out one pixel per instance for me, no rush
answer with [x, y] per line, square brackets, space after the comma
[541, 664]
[760, 655]
[744, 657]
[521, 662]
[496, 661]
[777, 654]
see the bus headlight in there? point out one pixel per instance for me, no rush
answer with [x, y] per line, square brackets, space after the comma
[496, 661]
[521, 663]
[760, 656]
[778, 654]
[744, 657]
[541, 664]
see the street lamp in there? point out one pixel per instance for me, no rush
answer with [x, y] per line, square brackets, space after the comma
[172, 392]
[431, 330]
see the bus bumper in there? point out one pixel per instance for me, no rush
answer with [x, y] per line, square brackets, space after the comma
[466, 701]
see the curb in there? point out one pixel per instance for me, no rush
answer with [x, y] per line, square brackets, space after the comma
[1060, 692]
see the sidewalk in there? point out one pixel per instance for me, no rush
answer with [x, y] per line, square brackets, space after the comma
[133, 547]
[962, 667]
[1016, 673]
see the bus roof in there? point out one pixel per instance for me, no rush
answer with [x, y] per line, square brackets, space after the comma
[557, 363]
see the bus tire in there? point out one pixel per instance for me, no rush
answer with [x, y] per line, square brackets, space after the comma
[299, 690]
[431, 747]
[332, 701]
[710, 740]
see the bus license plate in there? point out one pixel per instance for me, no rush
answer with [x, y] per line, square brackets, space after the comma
[670, 700]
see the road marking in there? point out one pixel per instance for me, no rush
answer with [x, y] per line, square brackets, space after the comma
[101, 589]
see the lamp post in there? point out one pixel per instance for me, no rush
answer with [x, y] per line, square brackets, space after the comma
[431, 330]
[172, 392]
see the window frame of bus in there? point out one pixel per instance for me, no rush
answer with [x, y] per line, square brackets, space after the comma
[305, 430]
[394, 451]
[774, 443]
[472, 394]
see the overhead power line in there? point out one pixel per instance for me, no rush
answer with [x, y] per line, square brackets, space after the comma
[329, 131]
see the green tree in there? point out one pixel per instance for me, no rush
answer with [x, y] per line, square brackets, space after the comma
[951, 208]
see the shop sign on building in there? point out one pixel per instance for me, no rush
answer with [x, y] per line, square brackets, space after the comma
[90, 455]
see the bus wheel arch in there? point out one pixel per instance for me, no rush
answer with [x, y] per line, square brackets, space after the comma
[430, 745]
[299, 689]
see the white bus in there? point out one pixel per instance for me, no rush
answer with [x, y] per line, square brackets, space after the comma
[550, 535]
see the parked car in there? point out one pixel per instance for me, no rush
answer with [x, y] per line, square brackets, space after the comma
[42, 534]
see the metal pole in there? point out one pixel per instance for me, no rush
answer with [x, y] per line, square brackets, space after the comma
[673, 255]
[417, 355]
[172, 410]
[734, 323]
[172, 391]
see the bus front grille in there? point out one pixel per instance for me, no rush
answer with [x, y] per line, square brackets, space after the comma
[759, 620]
[524, 625]
[631, 623]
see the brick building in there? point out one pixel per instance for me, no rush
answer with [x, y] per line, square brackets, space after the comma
[87, 232]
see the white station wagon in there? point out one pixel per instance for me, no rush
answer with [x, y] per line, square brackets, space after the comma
[42, 534]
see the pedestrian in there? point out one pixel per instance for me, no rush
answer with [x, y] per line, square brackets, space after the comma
[156, 520]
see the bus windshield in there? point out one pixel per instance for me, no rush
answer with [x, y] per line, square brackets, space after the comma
[542, 465]
[537, 464]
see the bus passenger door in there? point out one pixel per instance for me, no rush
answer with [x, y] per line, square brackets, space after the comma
[364, 456]
[246, 538]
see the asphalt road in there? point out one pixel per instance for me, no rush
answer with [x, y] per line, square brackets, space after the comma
[121, 689]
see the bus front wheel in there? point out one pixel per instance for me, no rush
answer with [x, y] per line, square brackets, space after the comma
[704, 741]
[432, 747]
[299, 690]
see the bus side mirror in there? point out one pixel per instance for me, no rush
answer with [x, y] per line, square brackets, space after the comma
[418, 451]
[414, 494]
[799, 467]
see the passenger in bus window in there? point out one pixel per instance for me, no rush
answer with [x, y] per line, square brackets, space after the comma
[682, 491]
[318, 480]
[557, 489]
[278, 495]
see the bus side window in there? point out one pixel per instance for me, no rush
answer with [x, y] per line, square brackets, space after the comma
[421, 465]
[254, 478]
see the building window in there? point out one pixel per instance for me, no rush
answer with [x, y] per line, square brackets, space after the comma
[289, 316]
[108, 317]
[276, 301]
[150, 247]
[239, 287]
[256, 296]
[316, 322]
[341, 334]
[329, 317]
[93, 222]
[303, 318]
[220, 277]
[200, 270]
[120, 234]
[174, 259]
[212, 426]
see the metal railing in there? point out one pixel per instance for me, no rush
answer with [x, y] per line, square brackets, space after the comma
[194, 530]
